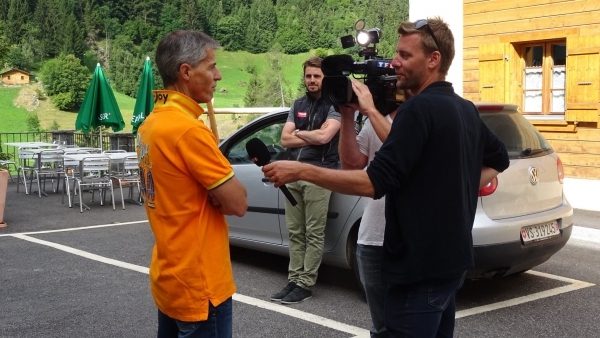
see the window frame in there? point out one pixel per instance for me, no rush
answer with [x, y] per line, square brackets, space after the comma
[547, 67]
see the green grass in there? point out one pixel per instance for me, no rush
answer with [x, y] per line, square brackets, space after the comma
[126, 105]
[233, 66]
[13, 118]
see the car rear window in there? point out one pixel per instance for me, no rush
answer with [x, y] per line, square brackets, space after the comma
[520, 137]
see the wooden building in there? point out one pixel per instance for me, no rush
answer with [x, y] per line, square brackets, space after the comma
[15, 76]
[544, 56]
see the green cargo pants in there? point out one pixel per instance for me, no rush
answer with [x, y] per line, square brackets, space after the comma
[306, 226]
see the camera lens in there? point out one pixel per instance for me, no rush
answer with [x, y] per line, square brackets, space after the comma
[337, 90]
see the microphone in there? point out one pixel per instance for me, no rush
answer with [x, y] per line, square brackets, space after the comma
[259, 154]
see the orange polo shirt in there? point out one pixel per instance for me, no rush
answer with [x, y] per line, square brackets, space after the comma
[179, 164]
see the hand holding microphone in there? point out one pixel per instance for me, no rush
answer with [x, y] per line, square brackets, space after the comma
[259, 154]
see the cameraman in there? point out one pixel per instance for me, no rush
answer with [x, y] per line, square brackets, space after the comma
[356, 151]
[430, 169]
[311, 133]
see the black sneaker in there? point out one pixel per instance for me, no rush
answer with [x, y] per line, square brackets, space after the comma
[299, 294]
[286, 291]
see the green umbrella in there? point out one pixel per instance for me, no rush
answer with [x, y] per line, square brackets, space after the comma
[144, 102]
[99, 107]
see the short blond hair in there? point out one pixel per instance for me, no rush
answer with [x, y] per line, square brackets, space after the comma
[443, 35]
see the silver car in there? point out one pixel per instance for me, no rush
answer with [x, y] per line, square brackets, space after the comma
[522, 218]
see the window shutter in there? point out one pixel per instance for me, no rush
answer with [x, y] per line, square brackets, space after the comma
[583, 77]
[493, 72]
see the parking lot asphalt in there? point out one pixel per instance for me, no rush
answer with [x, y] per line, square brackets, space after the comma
[65, 273]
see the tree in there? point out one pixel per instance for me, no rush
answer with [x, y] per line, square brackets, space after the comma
[33, 122]
[191, 15]
[230, 33]
[126, 66]
[147, 10]
[4, 44]
[262, 26]
[4, 6]
[65, 81]
[47, 17]
[18, 12]
[254, 87]
[16, 58]
[211, 11]
[293, 39]
[73, 38]
[170, 20]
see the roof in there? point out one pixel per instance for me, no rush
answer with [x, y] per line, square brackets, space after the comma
[20, 70]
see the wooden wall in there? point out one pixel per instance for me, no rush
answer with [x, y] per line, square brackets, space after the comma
[510, 22]
[15, 77]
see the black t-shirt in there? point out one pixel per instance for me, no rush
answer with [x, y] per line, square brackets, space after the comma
[429, 168]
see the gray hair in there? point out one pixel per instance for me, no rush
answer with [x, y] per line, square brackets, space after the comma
[179, 47]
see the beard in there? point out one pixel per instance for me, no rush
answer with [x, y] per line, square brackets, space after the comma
[314, 90]
[407, 82]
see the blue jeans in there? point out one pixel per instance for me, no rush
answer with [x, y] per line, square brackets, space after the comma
[368, 260]
[218, 325]
[424, 309]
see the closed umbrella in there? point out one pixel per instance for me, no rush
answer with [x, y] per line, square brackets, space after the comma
[144, 102]
[99, 107]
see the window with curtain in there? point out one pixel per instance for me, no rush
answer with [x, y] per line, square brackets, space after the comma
[544, 78]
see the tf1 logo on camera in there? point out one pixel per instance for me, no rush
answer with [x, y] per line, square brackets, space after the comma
[382, 64]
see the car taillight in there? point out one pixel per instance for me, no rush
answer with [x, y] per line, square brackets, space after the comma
[560, 170]
[489, 189]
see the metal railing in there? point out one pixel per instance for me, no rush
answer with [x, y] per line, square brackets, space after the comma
[63, 138]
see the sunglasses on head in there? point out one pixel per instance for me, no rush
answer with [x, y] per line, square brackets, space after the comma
[423, 23]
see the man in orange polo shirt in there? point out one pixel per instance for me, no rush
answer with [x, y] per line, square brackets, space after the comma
[188, 187]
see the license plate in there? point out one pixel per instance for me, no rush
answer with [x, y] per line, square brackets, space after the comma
[539, 232]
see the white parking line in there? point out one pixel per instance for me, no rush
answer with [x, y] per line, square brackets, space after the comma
[575, 285]
[355, 331]
[286, 310]
[73, 229]
[84, 254]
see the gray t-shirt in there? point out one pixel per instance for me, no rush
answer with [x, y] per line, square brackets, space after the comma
[372, 224]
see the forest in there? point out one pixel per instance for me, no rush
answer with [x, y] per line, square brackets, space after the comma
[50, 38]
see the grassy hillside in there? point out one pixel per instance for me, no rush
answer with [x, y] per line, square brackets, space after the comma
[233, 66]
[12, 119]
[230, 93]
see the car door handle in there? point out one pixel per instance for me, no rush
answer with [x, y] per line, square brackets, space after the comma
[266, 180]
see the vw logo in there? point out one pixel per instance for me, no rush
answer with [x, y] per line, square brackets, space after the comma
[534, 177]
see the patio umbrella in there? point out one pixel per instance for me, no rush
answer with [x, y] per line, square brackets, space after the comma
[99, 107]
[144, 102]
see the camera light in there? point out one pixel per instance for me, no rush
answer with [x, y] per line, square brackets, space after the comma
[363, 38]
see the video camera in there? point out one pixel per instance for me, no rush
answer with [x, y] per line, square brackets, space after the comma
[379, 75]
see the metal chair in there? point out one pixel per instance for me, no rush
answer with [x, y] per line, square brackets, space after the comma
[26, 155]
[71, 168]
[95, 175]
[50, 166]
[129, 177]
